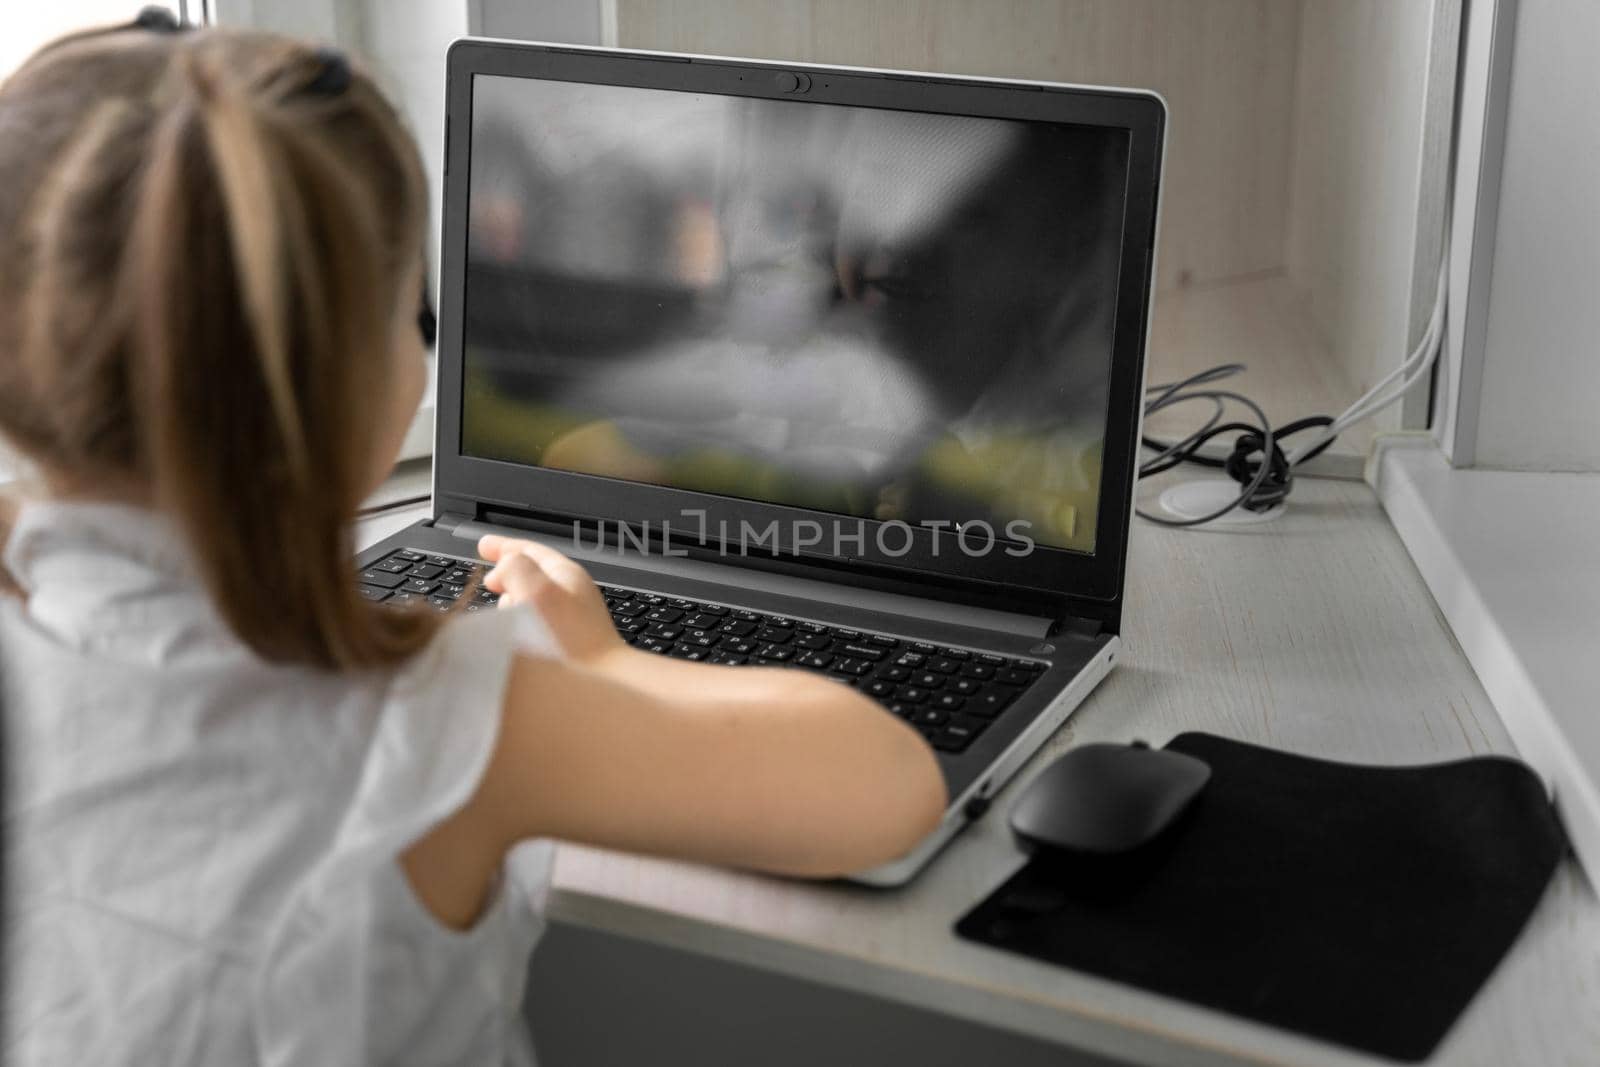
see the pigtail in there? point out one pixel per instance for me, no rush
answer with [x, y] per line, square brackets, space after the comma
[261, 284]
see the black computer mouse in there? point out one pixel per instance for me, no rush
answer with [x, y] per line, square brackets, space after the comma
[1103, 799]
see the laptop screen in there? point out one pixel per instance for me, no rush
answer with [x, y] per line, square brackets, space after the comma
[885, 314]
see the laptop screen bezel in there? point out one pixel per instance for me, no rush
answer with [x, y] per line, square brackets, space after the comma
[519, 488]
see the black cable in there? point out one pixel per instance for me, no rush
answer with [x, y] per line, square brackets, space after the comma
[1170, 395]
[1257, 462]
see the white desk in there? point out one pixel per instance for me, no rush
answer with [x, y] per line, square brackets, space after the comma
[1313, 634]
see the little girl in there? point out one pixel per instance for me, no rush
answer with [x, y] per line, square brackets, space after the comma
[252, 818]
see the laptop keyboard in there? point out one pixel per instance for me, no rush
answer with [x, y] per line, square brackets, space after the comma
[949, 694]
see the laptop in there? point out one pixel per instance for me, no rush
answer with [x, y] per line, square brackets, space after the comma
[822, 367]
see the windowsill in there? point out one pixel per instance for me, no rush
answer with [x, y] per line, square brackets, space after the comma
[1509, 557]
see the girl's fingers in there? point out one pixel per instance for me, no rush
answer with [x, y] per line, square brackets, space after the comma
[515, 574]
[561, 569]
[556, 564]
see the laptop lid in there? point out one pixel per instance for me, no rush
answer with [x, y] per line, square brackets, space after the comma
[882, 321]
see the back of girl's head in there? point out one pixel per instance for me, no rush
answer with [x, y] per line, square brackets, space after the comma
[203, 240]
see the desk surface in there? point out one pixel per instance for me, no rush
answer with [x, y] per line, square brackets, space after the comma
[1313, 634]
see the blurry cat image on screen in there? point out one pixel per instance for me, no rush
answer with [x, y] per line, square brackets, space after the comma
[887, 314]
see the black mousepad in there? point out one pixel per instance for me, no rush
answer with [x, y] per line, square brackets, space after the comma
[1360, 905]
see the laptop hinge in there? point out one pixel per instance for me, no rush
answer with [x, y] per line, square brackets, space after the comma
[1081, 627]
[1066, 622]
[801, 582]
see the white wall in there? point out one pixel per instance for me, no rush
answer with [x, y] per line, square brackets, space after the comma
[406, 40]
[1359, 176]
[1541, 359]
[29, 25]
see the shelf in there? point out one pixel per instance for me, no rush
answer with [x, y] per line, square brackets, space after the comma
[1262, 323]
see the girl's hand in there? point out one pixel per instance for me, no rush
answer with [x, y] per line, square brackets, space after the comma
[526, 572]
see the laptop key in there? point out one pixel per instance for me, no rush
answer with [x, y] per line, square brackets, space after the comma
[373, 593]
[980, 671]
[943, 665]
[381, 579]
[776, 635]
[910, 694]
[856, 650]
[1014, 677]
[956, 736]
[392, 566]
[990, 702]
[663, 614]
[426, 570]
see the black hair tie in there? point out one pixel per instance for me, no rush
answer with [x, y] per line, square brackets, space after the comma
[333, 76]
[157, 20]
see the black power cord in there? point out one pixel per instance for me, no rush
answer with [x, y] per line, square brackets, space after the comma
[1257, 462]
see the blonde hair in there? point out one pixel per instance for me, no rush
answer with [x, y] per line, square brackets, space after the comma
[202, 244]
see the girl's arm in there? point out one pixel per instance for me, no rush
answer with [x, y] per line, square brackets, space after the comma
[770, 768]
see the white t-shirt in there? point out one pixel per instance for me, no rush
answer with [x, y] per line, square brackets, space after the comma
[202, 847]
